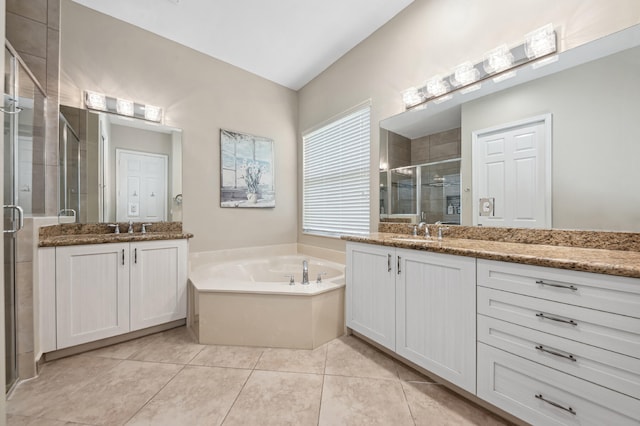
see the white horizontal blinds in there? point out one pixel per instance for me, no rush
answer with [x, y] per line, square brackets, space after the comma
[336, 176]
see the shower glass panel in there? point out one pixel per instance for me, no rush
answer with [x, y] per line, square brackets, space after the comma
[69, 170]
[404, 185]
[24, 177]
[440, 192]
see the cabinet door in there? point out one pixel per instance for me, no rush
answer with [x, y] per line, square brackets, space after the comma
[92, 294]
[158, 282]
[371, 292]
[436, 314]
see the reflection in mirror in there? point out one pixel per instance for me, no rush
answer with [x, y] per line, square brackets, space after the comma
[117, 169]
[420, 178]
[592, 94]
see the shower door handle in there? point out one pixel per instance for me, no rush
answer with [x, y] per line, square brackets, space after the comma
[20, 218]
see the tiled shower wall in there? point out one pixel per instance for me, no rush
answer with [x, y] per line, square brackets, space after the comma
[437, 147]
[33, 29]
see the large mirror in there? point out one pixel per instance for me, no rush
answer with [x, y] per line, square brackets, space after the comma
[592, 95]
[118, 169]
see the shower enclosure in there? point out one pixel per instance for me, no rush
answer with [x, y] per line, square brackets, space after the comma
[426, 192]
[24, 176]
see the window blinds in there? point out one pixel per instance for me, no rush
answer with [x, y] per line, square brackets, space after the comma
[336, 184]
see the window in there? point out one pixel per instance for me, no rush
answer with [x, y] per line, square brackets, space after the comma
[336, 184]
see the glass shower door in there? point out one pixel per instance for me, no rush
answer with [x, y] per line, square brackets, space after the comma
[10, 109]
[23, 114]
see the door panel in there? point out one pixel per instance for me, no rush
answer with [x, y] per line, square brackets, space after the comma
[511, 167]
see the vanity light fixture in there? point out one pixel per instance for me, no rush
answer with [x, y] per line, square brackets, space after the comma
[464, 74]
[152, 113]
[412, 97]
[100, 102]
[124, 107]
[540, 42]
[94, 100]
[498, 64]
[437, 86]
[498, 60]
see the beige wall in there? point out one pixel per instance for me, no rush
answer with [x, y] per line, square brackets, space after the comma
[431, 37]
[200, 95]
[595, 147]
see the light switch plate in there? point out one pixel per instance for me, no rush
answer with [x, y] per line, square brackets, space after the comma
[486, 206]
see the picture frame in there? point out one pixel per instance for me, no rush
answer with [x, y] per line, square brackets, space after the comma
[247, 174]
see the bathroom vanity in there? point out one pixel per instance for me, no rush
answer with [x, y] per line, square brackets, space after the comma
[547, 332]
[93, 285]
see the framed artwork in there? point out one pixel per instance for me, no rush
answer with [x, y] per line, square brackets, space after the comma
[247, 173]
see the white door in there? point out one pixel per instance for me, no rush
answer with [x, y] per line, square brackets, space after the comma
[92, 292]
[512, 174]
[371, 292]
[141, 186]
[436, 314]
[158, 282]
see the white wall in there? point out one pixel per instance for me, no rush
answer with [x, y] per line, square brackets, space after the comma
[595, 133]
[200, 95]
[431, 37]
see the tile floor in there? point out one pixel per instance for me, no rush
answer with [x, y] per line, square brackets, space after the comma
[167, 379]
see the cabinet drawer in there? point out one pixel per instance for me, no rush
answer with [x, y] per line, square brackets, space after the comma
[609, 293]
[543, 396]
[612, 332]
[612, 370]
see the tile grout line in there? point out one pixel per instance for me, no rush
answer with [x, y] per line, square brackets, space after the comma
[406, 401]
[224, 419]
[324, 370]
[155, 394]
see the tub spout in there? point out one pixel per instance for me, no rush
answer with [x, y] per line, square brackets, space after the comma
[305, 272]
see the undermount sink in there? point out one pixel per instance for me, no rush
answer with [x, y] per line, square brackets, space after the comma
[410, 239]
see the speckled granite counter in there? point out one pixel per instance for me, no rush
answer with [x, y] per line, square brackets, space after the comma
[100, 233]
[602, 261]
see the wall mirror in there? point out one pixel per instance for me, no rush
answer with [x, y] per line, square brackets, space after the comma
[591, 92]
[118, 169]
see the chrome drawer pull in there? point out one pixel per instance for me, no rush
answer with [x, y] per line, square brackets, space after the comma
[568, 287]
[543, 349]
[555, 404]
[399, 271]
[388, 263]
[543, 316]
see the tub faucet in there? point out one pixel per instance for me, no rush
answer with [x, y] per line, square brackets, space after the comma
[305, 272]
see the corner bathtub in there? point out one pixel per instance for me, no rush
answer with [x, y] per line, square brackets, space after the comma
[249, 301]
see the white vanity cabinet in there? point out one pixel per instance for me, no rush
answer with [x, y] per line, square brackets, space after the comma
[371, 292]
[420, 305]
[103, 290]
[558, 346]
[436, 315]
[158, 282]
[92, 292]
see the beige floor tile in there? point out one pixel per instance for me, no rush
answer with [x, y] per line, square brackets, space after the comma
[37, 421]
[294, 360]
[363, 401]
[228, 356]
[277, 398]
[408, 374]
[172, 346]
[56, 380]
[434, 404]
[114, 397]
[350, 356]
[196, 396]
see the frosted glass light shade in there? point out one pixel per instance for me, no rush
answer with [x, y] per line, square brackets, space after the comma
[94, 100]
[540, 42]
[498, 60]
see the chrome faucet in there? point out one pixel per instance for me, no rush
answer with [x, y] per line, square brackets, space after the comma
[305, 272]
[440, 229]
[426, 229]
[130, 231]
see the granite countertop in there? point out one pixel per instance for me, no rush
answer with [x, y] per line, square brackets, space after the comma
[601, 261]
[97, 233]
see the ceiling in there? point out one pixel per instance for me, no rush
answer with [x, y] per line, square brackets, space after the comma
[286, 41]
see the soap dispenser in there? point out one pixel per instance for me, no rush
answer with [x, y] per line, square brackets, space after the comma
[450, 209]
